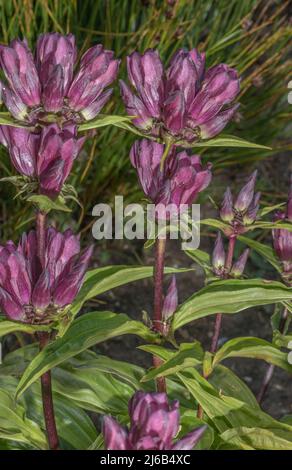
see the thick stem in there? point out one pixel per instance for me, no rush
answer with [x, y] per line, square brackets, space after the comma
[47, 398]
[270, 370]
[46, 381]
[158, 302]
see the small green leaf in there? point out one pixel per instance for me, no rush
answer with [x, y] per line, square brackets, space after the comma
[46, 204]
[7, 119]
[100, 280]
[7, 327]
[189, 355]
[230, 296]
[14, 425]
[247, 438]
[254, 348]
[103, 120]
[229, 141]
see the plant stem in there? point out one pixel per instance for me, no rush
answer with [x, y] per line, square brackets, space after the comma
[41, 236]
[230, 253]
[270, 370]
[44, 337]
[167, 149]
[158, 302]
[216, 334]
[219, 316]
[47, 398]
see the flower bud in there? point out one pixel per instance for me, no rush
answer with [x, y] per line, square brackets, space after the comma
[171, 300]
[226, 211]
[246, 194]
[251, 214]
[218, 256]
[238, 267]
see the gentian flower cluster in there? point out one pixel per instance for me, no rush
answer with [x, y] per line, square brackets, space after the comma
[244, 210]
[178, 182]
[45, 157]
[282, 239]
[219, 261]
[35, 294]
[184, 103]
[37, 88]
[154, 423]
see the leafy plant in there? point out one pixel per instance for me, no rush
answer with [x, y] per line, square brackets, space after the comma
[55, 378]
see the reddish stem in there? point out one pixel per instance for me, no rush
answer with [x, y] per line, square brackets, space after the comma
[270, 370]
[219, 316]
[215, 339]
[47, 397]
[46, 381]
[158, 302]
[230, 253]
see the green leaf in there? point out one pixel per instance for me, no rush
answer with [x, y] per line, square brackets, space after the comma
[267, 209]
[7, 119]
[99, 280]
[75, 428]
[86, 331]
[15, 426]
[254, 348]
[189, 422]
[103, 120]
[200, 257]
[46, 204]
[230, 296]
[230, 384]
[7, 327]
[227, 412]
[266, 251]
[189, 355]
[229, 141]
[283, 341]
[256, 438]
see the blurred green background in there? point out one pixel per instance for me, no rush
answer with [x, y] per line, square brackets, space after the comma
[251, 35]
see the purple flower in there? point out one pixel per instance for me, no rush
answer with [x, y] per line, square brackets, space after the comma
[180, 180]
[218, 257]
[183, 103]
[46, 157]
[170, 302]
[244, 210]
[239, 265]
[45, 85]
[282, 238]
[154, 423]
[29, 293]
[219, 261]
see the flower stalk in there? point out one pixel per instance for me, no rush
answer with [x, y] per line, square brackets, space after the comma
[270, 370]
[44, 337]
[158, 302]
